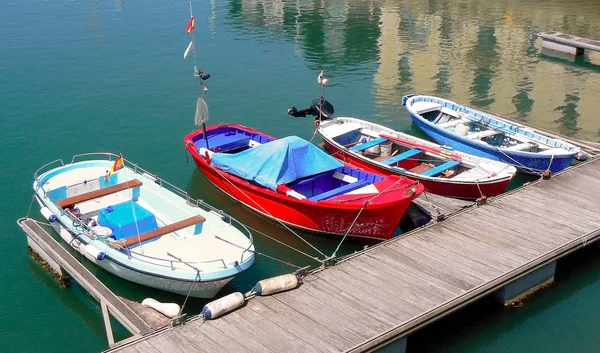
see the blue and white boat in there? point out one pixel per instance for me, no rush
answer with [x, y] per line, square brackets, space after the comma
[141, 228]
[482, 134]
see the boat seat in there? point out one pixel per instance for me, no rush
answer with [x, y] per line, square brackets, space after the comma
[363, 146]
[451, 123]
[70, 201]
[159, 232]
[520, 146]
[482, 134]
[402, 156]
[340, 190]
[440, 168]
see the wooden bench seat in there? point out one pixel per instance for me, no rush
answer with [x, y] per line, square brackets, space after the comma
[363, 146]
[402, 156]
[340, 190]
[159, 232]
[73, 200]
[440, 168]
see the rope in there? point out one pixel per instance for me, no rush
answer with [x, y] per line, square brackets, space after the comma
[280, 222]
[284, 244]
[189, 291]
[256, 252]
[30, 205]
[363, 207]
[348, 231]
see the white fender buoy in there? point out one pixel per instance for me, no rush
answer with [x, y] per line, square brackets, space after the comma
[50, 217]
[169, 310]
[92, 253]
[223, 305]
[276, 284]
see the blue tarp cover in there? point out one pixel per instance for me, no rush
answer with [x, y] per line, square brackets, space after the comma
[277, 162]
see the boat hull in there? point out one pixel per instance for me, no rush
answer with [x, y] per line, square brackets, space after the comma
[525, 162]
[444, 187]
[376, 220]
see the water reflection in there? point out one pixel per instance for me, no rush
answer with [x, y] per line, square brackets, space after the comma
[486, 54]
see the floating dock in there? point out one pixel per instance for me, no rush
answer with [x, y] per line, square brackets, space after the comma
[506, 248]
[138, 320]
[566, 43]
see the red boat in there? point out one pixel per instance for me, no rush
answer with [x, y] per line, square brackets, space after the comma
[293, 181]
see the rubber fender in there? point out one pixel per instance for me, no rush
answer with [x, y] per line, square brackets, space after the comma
[223, 305]
[276, 284]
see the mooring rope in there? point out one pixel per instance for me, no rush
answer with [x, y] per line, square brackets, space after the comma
[284, 244]
[280, 222]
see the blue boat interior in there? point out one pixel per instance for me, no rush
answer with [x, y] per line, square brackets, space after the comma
[333, 183]
[397, 156]
[481, 128]
[229, 140]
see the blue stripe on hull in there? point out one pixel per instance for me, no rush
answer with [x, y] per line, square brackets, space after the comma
[532, 162]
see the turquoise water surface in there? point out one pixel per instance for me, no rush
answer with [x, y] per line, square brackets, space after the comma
[82, 76]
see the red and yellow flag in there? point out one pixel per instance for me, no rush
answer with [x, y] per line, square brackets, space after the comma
[117, 166]
[190, 26]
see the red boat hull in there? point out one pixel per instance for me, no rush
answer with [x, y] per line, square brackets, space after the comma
[469, 191]
[378, 219]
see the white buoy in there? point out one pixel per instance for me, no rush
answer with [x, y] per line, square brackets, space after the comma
[461, 129]
[50, 217]
[276, 284]
[169, 310]
[223, 305]
[92, 253]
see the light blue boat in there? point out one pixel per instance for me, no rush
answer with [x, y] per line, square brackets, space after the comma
[482, 134]
[141, 228]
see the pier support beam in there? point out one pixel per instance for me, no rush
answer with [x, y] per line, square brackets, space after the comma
[397, 346]
[576, 51]
[526, 285]
[46, 257]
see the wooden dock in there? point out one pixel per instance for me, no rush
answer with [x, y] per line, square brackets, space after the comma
[136, 319]
[566, 43]
[506, 248]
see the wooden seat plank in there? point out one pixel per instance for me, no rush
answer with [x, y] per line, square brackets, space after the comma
[70, 201]
[159, 232]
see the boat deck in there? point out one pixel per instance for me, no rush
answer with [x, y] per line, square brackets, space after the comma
[394, 288]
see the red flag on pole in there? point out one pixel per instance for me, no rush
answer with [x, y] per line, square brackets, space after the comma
[190, 26]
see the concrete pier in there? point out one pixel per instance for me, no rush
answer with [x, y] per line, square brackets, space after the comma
[566, 43]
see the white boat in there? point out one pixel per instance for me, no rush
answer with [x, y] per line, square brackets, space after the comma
[141, 228]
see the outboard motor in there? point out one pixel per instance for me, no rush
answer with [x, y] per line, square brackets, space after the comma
[321, 109]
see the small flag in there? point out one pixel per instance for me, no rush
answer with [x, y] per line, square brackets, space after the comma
[187, 51]
[190, 26]
[117, 166]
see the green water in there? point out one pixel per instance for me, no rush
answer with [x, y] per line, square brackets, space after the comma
[80, 76]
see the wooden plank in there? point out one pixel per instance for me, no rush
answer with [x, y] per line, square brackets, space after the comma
[159, 232]
[375, 305]
[312, 333]
[470, 241]
[315, 328]
[440, 270]
[231, 330]
[390, 292]
[266, 332]
[390, 258]
[222, 340]
[496, 230]
[459, 257]
[70, 201]
[329, 309]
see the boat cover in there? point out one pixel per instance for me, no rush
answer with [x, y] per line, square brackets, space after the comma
[277, 162]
